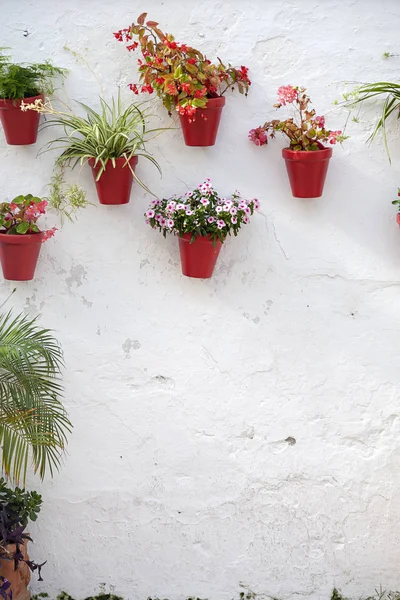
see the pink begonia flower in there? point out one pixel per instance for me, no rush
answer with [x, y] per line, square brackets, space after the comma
[234, 220]
[48, 234]
[150, 214]
[220, 224]
[258, 136]
[320, 122]
[211, 219]
[333, 135]
[41, 206]
[286, 94]
[31, 213]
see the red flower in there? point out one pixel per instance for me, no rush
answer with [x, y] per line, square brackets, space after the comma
[134, 88]
[200, 93]
[147, 88]
[159, 80]
[185, 87]
[172, 89]
[132, 46]
[184, 48]
[172, 45]
[258, 136]
[192, 61]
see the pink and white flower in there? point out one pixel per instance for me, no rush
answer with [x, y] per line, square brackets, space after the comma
[150, 214]
[220, 224]
[204, 201]
[286, 94]
[234, 220]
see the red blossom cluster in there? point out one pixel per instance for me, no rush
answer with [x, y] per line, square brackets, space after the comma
[20, 216]
[181, 76]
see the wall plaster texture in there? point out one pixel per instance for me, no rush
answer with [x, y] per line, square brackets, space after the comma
[242, 430]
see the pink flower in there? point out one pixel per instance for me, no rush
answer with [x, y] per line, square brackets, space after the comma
[155, 203]
[234, 220]
[256, 204]
[211, 219]
[258, 136]
[180, 207]
[333, 135]
[286, 94]
[220, 224]
[204, 201]
[189, 212]
[158, 217]
[242, 205]
[150, 214]
[246, 219]
[233, 210]
[170, 223]
[226, 207]
[41, 206]
[31, 213]
[171, 206]
[320, 122]
[189, 194]
[162, 222]
[48, 234]
[219, 209]
[247, 211]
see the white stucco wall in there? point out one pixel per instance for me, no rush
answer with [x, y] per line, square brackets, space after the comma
[179, 479]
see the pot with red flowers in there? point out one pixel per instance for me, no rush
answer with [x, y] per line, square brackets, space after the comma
[184, 79]
[20, 236]
[19, 82]
[202, 220]
[306, 158]
[397, 204]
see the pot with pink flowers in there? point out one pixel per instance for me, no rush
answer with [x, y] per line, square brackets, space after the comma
[306, 158]
[20, 236]
[202, 220]
[397, 204]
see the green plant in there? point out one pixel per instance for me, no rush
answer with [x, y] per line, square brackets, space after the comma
[20, 216]
[27, 80]
[66, 199]
[33, 421]
[389, 92]
[182, 77]
[112, 132]
[18, 501]
[201, 212]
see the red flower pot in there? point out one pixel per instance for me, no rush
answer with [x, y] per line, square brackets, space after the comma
[114, 185]
[307, 171]
[199, 257]
[398, 219]
[19, 255]
[20, 128]
[201, 128]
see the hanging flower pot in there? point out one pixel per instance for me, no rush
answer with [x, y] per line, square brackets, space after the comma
[201, 128]
[198, 258]
[306, 159]
[20, 128]
[19, 255]
[202, 220]
[115, 183]
[307, 171]
[20, 238]
[398, 219]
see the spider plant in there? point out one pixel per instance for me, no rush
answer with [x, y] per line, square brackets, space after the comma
[33, 421]
[112, 132]
[366, 91]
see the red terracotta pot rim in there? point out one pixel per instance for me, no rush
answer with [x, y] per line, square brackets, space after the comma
[16, 103]
[200, 238]
[119, 161]
[304, 155]
[26, 238]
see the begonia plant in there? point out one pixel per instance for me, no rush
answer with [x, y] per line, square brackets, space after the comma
[182, 77]
[201, 212]
[20, 216]
[307, 133]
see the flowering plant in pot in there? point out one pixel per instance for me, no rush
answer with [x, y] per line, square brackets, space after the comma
[306, 157]
[397, 204]
[184, 79]
[202, 220]
[17, 508]
[20, 236]
[109, 140]
[20, 82]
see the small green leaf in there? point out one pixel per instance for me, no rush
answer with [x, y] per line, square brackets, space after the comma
[22, 227]
[19, 200]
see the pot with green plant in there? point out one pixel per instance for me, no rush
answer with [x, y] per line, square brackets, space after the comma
[20, 236]
[17, 508]
[184, 79]
[110, 141]
[306, 158]
[202, 220]
[23, 82]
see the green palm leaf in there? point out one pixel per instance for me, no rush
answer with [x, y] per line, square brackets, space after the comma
[33, 422]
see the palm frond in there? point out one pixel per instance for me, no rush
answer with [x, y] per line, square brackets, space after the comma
[33, 421]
